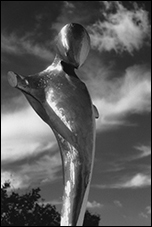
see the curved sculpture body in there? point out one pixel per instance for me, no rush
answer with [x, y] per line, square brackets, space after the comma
[62, 100]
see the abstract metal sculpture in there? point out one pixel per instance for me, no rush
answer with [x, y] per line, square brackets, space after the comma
[62, 100]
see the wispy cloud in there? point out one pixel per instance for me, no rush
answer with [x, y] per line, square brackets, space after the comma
[39, 171]
[137, 181]
[12, 44]
[94, 204]
[127, 95]
[8, 176]
[144, 151]
[141, 151]
[122, 29]
[146, 213]
[140, 180]
[71, 12]
[117, 203]
[143, 215]
[66, 16]
[148, 209]
[24, 136]
[24, 133]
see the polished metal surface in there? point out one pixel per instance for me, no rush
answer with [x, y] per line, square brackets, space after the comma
[62, 100]
[73, 44]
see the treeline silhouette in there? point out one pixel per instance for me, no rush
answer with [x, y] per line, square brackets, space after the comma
[27, 210]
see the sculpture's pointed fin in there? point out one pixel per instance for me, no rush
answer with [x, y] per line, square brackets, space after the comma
[96, 113]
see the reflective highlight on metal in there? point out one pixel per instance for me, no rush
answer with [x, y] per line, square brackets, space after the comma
[62, 100]
[73, 44]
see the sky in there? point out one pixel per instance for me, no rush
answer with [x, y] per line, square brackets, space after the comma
[117, 74]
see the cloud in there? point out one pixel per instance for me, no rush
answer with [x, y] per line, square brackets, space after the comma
[143, 215]
[119, 97]
[121, 30]
[140, 180]
[148, 209]
[8, 176]
[146, 213]
[142, 151]
[24, 133]
[117, 203]
[93, 205]
[145, 151]
[39, 171]
[117, 94]
[69, 5]
[12, 44]
[71, 12]
[66, 16]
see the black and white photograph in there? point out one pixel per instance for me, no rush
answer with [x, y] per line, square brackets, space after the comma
[75, 113]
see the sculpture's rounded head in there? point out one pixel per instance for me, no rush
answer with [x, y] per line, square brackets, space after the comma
[73, 44]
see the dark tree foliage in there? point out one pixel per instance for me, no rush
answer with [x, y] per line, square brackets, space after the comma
[26, 210]
[91, 219]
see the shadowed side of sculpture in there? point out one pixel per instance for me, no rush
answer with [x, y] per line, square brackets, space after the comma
[62, 100]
